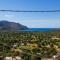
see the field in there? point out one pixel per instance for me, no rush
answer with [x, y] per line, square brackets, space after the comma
[29, 45]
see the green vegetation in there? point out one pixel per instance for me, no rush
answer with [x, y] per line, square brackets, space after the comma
[29, 44]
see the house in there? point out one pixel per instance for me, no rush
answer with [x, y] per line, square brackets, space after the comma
[8, 58]
[18, 58]
[11, 58]
[55, 38]
[56, 57]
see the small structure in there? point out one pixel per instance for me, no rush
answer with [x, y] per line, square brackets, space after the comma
[55, 38]
[56, 57]
[18, 58]
[22, 44]
[8, 58]
[11, 58]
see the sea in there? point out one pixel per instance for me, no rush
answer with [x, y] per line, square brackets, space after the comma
[40, 29]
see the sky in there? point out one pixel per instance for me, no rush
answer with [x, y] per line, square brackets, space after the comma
[32, 20]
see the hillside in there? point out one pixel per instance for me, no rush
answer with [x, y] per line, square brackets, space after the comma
[11, 26]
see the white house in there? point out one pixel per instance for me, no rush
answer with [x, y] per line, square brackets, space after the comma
[18, 58]
[11, 58]
[8, 58]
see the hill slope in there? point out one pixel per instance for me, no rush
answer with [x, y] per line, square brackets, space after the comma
[11, 26]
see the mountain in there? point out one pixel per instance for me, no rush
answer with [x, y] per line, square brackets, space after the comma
[11, 26]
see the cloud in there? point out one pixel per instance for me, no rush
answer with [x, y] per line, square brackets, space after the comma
[8, 16]
[41, 23]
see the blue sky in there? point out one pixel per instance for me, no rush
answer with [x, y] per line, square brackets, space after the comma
[32, 20]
